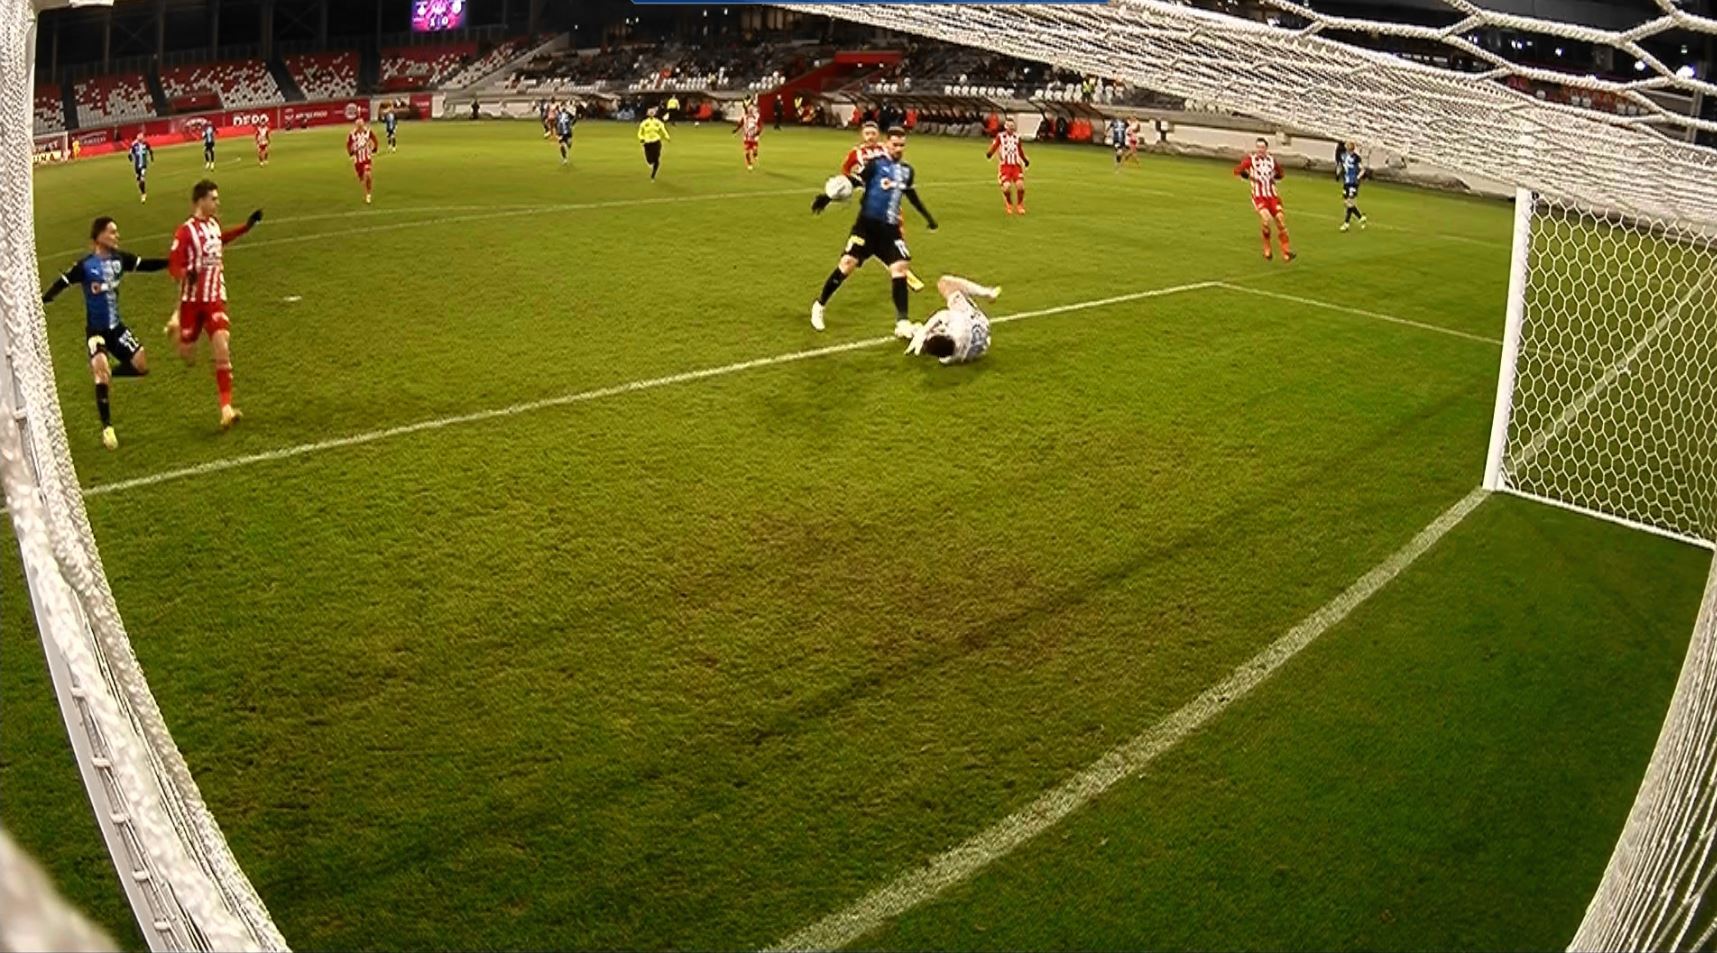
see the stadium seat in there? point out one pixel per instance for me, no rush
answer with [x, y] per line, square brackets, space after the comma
[422, 67]
[238, 83]
[325, 75]
[107, 99]
[50, 110]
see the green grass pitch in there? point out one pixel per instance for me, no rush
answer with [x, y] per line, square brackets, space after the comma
[695, 664]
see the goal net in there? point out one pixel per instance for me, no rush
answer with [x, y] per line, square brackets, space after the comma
[186, 889]
[1607, 400]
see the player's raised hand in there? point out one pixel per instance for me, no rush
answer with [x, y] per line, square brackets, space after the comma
[254, 218]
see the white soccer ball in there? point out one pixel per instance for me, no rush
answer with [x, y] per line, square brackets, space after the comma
[839, 188]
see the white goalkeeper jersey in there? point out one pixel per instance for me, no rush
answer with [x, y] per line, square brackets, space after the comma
[967, 324]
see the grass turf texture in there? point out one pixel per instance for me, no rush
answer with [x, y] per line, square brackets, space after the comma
[696, 665]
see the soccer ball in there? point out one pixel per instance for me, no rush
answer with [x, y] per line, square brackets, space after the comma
[839, 188]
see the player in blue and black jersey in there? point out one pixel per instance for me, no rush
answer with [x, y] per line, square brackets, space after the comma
[208, 145]
[1118, 139]
[1350, 169]
[391, 122]
[887, 180]
[141, 156]
[113, 349]
[564, 120]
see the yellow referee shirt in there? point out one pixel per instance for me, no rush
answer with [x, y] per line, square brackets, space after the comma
[652, 130]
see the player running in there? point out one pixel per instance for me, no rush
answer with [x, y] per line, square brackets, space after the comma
[1118, 139]
[262, 136]
[99, 273]
[390, 122]
[361, 145]
[1350, 170]
[960, 333]
[195, 261]
[1263, 171]
[652, 133]
[141, 155]
[751, 125]
[563, 123]
[1135, 137]
[887, 179]
[208, 145]
[1009, 152]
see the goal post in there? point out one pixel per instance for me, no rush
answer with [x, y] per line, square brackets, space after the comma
[1607, 391]
[1519, 264]
[177, 871]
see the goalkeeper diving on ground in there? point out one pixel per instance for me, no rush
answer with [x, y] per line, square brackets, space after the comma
[959, 333]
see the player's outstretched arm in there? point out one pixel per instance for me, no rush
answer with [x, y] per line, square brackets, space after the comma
[949, 285]
[64, 281]
[1244, 169]
[918, 203]
[234, 234]
[130, 262]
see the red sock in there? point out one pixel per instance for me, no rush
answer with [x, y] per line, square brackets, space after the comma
[1266, 233]
[1282, 236]
[224, 382]
[1021, 196]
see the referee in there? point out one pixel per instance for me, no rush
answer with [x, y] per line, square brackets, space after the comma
[652, 133]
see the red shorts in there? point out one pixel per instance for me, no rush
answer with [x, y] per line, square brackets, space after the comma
[1011, 174]
[198, 316]
[751, 145]
[362, 169]
[1271, 204]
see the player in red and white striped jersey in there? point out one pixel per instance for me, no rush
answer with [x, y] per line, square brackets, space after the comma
[262, 142]
[1263, 171]
[751, 127]
[1009, 151]
[195, 261]
[361, 145]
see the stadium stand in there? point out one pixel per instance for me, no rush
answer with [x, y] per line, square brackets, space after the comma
[421, 67]
[325, 75]
[482, 66]
[107, 99]
[50, 110]
[236, 84]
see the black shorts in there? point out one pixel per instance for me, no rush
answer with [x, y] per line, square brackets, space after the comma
[208, 150]
[877, 240]
[1350, 191]
[117, 342]
[653, 152]
[566, 140]
[392, 133]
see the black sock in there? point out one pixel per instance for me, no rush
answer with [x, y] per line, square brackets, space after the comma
[102, 405]
[655, 167]
[126, 370]
[901, 298]
[1347, 216]
[831, 286]
[1357, 213]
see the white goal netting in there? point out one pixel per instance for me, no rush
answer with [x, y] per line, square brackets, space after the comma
[173, 862]
[1608, 398]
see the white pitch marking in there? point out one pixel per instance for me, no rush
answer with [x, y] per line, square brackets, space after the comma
[293, 299]
[1120, 763]
[216, 466]
[1361, 312]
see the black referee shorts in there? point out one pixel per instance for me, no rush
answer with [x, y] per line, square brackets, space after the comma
[653, 152]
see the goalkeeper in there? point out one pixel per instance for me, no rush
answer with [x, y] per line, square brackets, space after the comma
[959, 333]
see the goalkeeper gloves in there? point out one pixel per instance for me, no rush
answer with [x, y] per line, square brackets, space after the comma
[255, 217]
[819, 203]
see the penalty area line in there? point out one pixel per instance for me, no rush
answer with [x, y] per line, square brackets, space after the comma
[565, 400]
[1127, 760]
